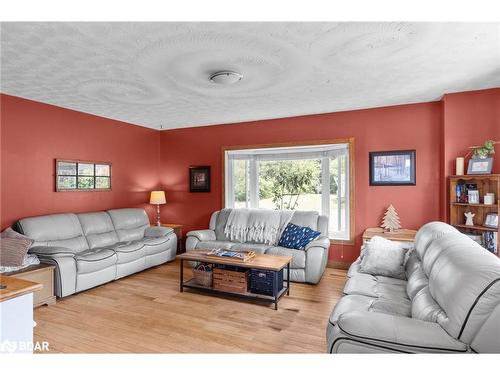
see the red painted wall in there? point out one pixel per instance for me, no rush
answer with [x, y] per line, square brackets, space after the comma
[34, 134]
[400, 127]
[469, 118]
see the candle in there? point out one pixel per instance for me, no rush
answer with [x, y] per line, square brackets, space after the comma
[460, 166]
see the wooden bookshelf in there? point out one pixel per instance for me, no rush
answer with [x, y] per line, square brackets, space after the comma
[485, 184]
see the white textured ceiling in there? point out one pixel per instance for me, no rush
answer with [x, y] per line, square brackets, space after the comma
[156, 74]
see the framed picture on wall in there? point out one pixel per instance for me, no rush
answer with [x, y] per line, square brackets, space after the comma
[79, 175]
[199, 179]
[392, 168]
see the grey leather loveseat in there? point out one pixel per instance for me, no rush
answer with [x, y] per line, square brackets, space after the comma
[307, 265]
[450, 302]
[90, 249]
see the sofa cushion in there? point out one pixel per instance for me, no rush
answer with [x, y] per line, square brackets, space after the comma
[95, 260]
[465, 283]
[298, 256]
[354, 268]
[428, 233]
[424, 307]
[305, 219]
[130, 223]
[158, 245]
[153, 241]
[384, 257]
[371, 287]
[98, 229]
[60, 230]
[209, 245]
[417, 281]
[156, 232]
[258, 248]
[129, 251]
[127, 247]
[412, 263]
[364, 303]
[220, 224]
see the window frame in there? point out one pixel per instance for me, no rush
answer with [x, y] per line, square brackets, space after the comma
[351, 166]
[94, 176]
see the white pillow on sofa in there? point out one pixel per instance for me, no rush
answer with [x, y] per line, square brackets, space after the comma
[382, 257]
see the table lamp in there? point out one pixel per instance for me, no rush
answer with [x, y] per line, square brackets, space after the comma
[157, 197]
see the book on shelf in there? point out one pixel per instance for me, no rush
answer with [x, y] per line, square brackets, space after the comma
[490, 241]
[462, 192]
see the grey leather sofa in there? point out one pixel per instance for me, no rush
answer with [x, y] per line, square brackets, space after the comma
[90, 249]
[307, 265]
[450, 302]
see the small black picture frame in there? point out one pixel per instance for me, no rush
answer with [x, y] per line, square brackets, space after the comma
[199, 179]
[393, 168]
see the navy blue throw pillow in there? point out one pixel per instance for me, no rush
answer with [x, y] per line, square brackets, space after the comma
[295, 237]
[291, 237]
[309, 235]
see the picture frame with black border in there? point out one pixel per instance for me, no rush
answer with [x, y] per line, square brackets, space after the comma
[199, 179]
[393, 168]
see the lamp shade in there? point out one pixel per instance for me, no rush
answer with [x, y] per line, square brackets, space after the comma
[157, 197]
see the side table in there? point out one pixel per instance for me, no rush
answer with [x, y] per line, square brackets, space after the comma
[42, 274]
[178, 232]
[403, 235]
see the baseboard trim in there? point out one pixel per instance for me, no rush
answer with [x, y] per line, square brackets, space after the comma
[338, 265]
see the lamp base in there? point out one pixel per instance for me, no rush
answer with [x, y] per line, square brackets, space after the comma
[158, 223]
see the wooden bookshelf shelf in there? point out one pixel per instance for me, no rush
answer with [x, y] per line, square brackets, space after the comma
[475, 227]
[485, 184]
[475, 205]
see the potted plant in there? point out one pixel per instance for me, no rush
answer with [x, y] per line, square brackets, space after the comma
[481, 161]
[482, 152]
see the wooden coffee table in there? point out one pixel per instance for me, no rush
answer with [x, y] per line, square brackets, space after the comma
[275, 263]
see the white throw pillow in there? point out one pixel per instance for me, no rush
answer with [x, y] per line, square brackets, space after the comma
[382, 257]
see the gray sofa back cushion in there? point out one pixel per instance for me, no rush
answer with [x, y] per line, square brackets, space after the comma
[465, 282]
[129, 223]
[98, 229]
[305, 219]
[62, 230]
[430, 232]
[220, 224]
[309, 219]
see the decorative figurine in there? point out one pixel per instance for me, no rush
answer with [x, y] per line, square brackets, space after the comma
[469, 216]
[390, 222]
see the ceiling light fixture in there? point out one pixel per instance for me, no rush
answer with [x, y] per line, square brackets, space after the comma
[225, 77]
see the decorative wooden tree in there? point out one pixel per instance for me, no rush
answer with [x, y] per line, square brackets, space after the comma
[390, 222]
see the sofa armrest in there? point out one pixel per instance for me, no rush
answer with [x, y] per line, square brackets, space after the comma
[391, 332]
[203, 235]
[322, 241]
[52, 251]
[155, 232]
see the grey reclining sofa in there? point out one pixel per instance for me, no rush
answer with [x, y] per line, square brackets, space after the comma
[93, 248]
[450, 302]
[307, 265]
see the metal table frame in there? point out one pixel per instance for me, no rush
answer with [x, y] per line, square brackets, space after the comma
[277, 294]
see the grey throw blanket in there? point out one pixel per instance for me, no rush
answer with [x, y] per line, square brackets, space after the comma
[256, 225]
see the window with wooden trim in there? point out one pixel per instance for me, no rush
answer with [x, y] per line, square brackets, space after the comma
[315, 177]
[76, 175]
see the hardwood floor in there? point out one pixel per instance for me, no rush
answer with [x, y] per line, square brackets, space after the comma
[146, 313]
